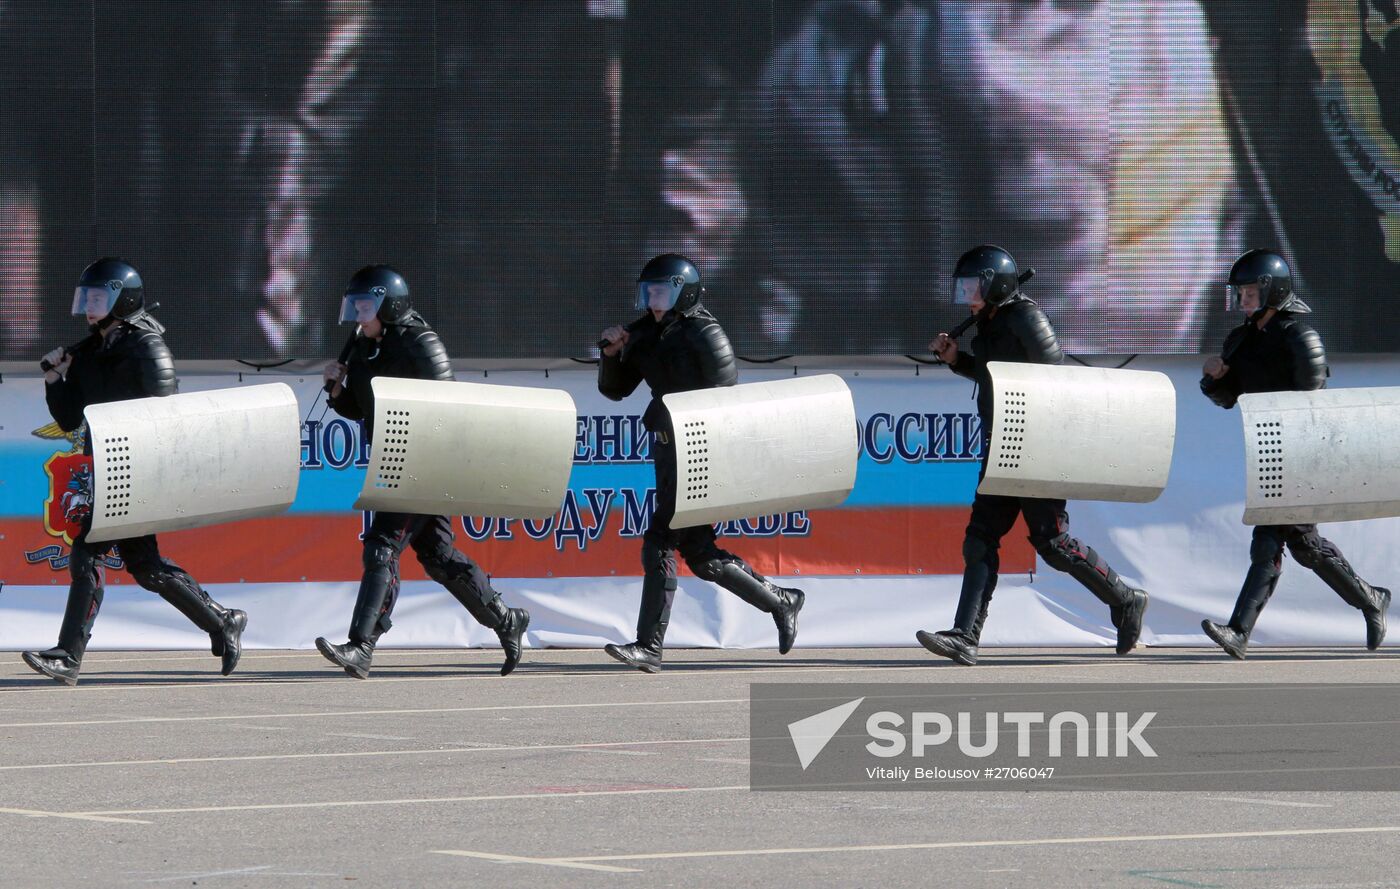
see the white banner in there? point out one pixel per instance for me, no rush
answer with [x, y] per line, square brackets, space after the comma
[1189, 548]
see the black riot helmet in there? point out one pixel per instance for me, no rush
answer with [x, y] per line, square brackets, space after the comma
[681, 280]
[987, 270]
[110, 286]
[1275, 279]
[384, 288]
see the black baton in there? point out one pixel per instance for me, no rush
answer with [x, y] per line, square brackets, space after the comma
[344, 357]
[67, 350]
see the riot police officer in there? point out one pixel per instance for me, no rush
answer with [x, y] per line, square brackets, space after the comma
[124, 357]
[678, 346]
[1275, 350]
[393, 340]
[1011, 327]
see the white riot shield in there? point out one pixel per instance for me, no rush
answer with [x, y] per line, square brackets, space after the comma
[1324, 456]
[448, 448]
[763, 448]
[186, 461]
[1080, 433]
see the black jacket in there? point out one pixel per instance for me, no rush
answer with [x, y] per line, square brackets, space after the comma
[680, 353]
[129, 362]
[1286, 356]
[412, 351]
[1019, 332]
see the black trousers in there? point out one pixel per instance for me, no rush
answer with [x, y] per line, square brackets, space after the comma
[1048, 523]
[697, 546]
[141, 557]
[432, 540]
[1309, 549]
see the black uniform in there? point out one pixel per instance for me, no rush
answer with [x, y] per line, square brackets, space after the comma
[410, 349]
[686, 350]
[130, 361]
[1285, 356]
[1018, 331]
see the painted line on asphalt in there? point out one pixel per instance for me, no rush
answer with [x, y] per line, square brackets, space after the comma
[417, 801]
[587, 746]
[329, 714]
[973, 844]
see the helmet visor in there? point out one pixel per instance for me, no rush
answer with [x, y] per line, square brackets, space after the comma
[359, 308]
[1236, 294]
[95, 301]
[660, 296]
[967, 291]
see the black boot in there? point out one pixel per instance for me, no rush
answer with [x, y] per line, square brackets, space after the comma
[63, 662]
[1126, 605]
[1128, 621]
[373, 604]
[471, 586]
[1335, 571]
[510, 624]
[741, 580]
[55, 664]
[950, 644]
[635, 654]
[224, 625]
[786, 617]
[1375, 619]
[353, 657]
[1259, 585]
[980, 564]
[227, 642]
[658, 592]
[1235, 643]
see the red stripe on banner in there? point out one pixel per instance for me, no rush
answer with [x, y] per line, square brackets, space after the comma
[294, 548]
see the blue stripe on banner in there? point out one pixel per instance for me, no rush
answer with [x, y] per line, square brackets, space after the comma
[24, 486]
[924, 484]
[328, 490]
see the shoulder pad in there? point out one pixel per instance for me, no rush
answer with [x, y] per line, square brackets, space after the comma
[148, 344]
[428, 353]
[157, 364]
[1033, 329]
[411, 319]
[144, 320]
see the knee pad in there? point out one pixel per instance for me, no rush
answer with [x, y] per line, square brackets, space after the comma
[711, 569]
[84, 566]
[1267, 549]
[1308, 556]
[1311, 551]
[148, 575]
[439, 563]
[436, 570]
[1060, 552]
[379, 555]
[654, 558]
[977, 551]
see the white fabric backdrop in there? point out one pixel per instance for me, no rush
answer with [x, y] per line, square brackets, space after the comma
[1189, 549]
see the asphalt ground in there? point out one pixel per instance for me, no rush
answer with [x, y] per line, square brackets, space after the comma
[577, 771]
